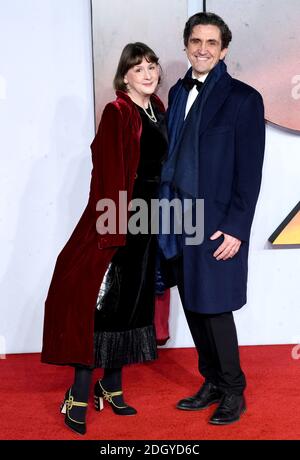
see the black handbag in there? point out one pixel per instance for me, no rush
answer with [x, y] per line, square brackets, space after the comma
[109, 292]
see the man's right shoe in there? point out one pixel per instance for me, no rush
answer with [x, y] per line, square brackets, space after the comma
[230, 409]
[206, 396]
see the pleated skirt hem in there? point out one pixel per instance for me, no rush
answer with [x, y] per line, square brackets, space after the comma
[115, 349]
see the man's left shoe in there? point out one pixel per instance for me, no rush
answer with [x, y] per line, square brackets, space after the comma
[229, 410]
[205, 397]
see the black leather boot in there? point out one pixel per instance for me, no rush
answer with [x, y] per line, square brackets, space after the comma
[207, 395]
[229, 410]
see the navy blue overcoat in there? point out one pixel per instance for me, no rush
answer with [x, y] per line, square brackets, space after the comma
[229, 160]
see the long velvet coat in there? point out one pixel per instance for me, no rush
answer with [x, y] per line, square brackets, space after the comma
[230, 152]
[70, 305]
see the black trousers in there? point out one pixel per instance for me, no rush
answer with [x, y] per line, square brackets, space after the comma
[216, 342]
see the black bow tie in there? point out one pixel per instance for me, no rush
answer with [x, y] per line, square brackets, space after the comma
[190, 82]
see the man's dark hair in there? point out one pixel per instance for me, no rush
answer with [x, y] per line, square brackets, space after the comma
[207, 19]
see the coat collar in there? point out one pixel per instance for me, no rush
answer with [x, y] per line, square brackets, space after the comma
[154, 98]
[215, 100]
[213, 103]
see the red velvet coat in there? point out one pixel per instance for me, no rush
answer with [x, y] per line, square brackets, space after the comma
[70, 305]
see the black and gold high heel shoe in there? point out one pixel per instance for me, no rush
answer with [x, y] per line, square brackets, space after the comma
[100, 394]
[75, 425]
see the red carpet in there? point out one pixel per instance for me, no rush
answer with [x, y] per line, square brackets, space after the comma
[31, 393]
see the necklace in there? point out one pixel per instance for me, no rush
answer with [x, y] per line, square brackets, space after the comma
[151, 114]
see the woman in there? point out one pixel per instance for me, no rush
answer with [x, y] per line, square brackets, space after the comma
[127, 155]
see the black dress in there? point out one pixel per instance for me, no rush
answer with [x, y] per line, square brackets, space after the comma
[124, 330]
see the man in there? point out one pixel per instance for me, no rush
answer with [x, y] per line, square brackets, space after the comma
[217, 135]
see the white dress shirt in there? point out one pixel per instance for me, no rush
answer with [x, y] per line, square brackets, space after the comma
[193, 94]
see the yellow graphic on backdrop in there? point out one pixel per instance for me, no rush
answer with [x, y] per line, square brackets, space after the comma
[288, 231]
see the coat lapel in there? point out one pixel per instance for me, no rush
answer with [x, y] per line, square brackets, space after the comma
[215, 100]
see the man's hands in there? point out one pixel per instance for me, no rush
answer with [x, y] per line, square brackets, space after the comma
[228, 248]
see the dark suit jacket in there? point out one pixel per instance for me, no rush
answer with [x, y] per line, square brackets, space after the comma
[229, 162]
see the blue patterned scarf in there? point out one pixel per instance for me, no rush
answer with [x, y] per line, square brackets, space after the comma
[180, 172]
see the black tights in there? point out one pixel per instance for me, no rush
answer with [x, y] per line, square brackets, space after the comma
[80, 391]
[82, 381]
[111, 381]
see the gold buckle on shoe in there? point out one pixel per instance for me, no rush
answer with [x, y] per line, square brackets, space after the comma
[70, 403]
[109, 395]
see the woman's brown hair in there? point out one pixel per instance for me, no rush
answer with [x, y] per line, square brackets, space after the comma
[132, 55]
